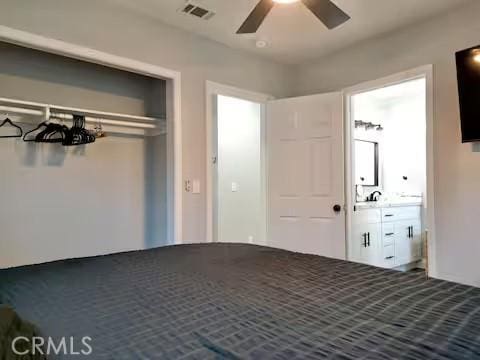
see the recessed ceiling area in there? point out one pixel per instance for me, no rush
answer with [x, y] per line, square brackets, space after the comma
[293, 35]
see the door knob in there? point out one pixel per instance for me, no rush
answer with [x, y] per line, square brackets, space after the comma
[337, 208]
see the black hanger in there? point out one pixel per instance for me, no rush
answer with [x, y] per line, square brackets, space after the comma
[43, 124]
[53, 133]
[8, 121]
[77, 134]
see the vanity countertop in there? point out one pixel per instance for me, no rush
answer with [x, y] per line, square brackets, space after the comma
[389, 204]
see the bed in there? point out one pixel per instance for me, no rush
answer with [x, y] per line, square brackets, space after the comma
[238, 301]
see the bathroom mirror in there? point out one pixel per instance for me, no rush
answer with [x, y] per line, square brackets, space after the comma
[366, 163]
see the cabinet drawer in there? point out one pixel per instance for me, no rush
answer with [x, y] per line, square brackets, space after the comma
[388, 252]
[388, 234]
[367, 216]
[389, 256]
[400, 213]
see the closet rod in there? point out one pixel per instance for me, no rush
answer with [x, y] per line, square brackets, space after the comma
[62, 116]
[94, 120]
[21, 102]
[16, 110]
[70, 110]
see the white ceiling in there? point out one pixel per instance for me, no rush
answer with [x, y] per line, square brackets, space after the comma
[293, 34]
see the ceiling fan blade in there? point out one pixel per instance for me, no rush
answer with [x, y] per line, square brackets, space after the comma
[256, 17]
[328, 13]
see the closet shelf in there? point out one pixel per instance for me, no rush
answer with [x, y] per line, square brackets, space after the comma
[119, 122]
[102, 114]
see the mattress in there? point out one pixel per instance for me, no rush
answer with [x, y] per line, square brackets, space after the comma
[236, 301]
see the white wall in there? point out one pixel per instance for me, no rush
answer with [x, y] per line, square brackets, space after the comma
[240, 213]
[32, 75]
[104, 26]
[405, 145]
[457, 170]
[155, 182]
[62, 202]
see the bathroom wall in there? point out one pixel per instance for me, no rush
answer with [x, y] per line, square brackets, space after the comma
[366, 108]
[404, 148]
[401, 110]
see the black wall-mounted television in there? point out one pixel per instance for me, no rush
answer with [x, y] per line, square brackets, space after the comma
[468, 74]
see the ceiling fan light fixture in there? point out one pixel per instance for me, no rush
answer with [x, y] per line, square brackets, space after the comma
[325, 10]
[285, 1]
[476, 55]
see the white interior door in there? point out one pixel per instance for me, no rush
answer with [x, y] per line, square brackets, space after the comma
[306, 175]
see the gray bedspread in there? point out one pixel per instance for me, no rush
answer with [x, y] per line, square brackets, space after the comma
[241, 301]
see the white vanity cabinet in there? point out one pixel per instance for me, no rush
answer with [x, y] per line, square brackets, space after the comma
[408, 242]
[386, 236]
[366, 239]
[368, 242]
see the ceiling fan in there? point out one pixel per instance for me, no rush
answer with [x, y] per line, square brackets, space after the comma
[325, 10]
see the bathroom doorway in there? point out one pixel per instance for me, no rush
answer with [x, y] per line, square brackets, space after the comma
[388, 172]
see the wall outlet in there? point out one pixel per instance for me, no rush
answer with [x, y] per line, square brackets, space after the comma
[234, 187]
[250, 239]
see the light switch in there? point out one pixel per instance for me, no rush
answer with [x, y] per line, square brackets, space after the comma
[196, 186]
[234, 187]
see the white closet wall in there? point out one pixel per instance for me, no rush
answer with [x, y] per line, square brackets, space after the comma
[61, 202]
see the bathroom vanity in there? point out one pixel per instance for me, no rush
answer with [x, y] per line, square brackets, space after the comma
[388, 185]
[387, 235]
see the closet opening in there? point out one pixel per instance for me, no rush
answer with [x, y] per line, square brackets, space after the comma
[388, 174]
[108, 189]
[236, 175]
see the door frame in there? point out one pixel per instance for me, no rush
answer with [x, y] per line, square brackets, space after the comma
[426, 72]
[174, 123]
[213, 89]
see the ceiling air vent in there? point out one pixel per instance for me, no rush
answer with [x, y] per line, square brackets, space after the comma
[199, 11]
